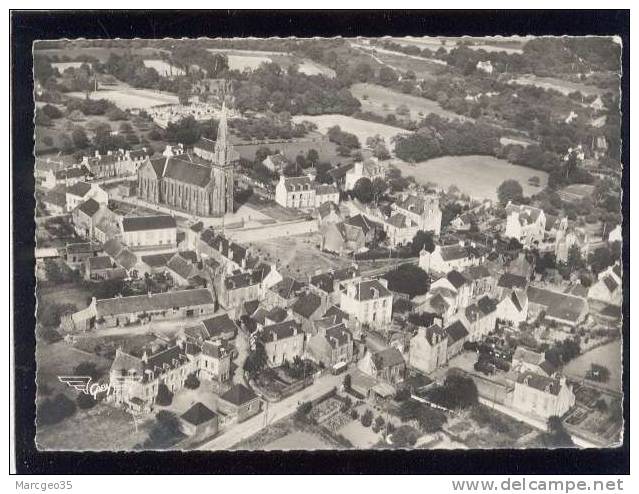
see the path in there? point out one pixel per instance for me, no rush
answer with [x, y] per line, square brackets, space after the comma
[272, 413]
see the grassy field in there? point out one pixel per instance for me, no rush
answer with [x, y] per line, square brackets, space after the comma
[381, 100]
[127, 98]
[477, 176]
[251, 59]
[101, 53]
[298, 256]
[561, 85]
[361, 128]
[163, 68]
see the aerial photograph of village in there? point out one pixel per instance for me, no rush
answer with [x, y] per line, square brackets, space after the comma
[328, 243]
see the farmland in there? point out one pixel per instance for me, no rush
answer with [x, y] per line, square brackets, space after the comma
[163, 68]
[101, 53]
[383, 101]
[477, 176]
[561, 85]
[251, 59]
[361, 128]
[127, 98]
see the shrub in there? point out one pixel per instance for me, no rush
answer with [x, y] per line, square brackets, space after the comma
[192, 382]
[55, 410]
[85, 401]
[367, 418]
[87, 369]
[164, 397]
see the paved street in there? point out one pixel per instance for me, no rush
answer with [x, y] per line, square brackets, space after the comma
[274, 412]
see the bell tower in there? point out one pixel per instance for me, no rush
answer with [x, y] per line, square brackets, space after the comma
[222, 169]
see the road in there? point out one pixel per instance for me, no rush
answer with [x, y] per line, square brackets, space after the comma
[273, 412]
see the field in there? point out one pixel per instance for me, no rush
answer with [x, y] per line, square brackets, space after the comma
[361, 128]
[563, 86]
[163, 68]
[101, 53]
[251, 59]
[128, 98]
[374, 97]
[62, 66]
[608, 355]
[477, 176]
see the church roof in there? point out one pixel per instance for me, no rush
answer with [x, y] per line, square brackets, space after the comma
[188, 172]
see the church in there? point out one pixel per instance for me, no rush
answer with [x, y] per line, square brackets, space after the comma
[198, 184]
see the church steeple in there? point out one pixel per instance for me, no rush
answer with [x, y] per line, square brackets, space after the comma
[222, 144]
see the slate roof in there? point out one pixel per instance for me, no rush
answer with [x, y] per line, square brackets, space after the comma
[142, 223]
[476, 272]
[432, 331]
[327, 207]
[181, 267]
[456, 279]
[287, 287]
[157, 260]
[338, 335]
[337, 314]
[215, 349]
[417, 204]
[220, 325]
[453, 252]
[510, 281]
[527, 214]
[539, 382]
[366, 290]
[280, 330]
[79, 189]
[89, 207]
[126, 259]
[307, 305]
[182, 170]
[153, 302]
[363, 223]
[73, 172]
[326, 189]
[295, 184]
[326, 281]
[456, 331]
[100, 262]
[610, 283]
[239, 395]
[558, 305]
[198, 414]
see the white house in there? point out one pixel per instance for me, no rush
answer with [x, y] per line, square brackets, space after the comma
[608, 288]
[141, 232]
[446, 258]
[82, 191]
[326, 193]
[615, 235]
[527, 224]
[295, 192]
[542, 396]
[486, 66]
[368, 302]
[421, 209]
[513, 307]
[370, 168]
[428, 349]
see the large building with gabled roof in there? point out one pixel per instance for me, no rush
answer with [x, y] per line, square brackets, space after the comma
[200, 184]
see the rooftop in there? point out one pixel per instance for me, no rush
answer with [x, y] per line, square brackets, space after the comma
[141, 223]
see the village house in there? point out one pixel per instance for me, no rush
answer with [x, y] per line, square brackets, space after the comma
[542, 396]
[567, 239]
[457, 335]
[513, 307]
[400, 229]
[370, 168]
[282, 342]
[181, 270]
[103, 268]
[118, 163]
[55, 200]
[456, 284]
[446, 258]
[387, 365]
[123, 311]
[480, 318]
[508, 282]
[308, 308]
[527, 360]
[76, 254]
[328, 212]
[526, 224]
[521, 266]
[92, 220]
[480, 281]
[369, 302]
[199, 420]
[463, 222]
[135, 379]
[121, 255]
[331, 345]
[230, 255]
[66, 177]
[82, 191]
[284, 293]
[423, 210]
[428, 349]
[215, 361]
[608, 287]
[295, 192]
[149, 232]
[326, 193]
[236, 289]
[440, 303]
[351, 235]
[238, 404]
[326, 284]
[276, 162]
[562, 308]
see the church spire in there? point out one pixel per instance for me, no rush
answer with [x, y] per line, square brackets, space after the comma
[221, 143]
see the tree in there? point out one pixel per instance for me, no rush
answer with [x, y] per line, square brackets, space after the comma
[164, 397]
[601, 259]
[87, 368]
[557, 436]
[457, 392]
[429, 419]
[184, 93]
[186, 130]
[409, 279]
[53, 112]
[165, 431]
[510, 190]
[55, 410]
[85, 401]
[378, 188]
[192, 382]
[404, 436]
[79, 137]
[422, 240]
[256, 359]
[367, 418]
[574, 260]
[363, 190]
[312, 157]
